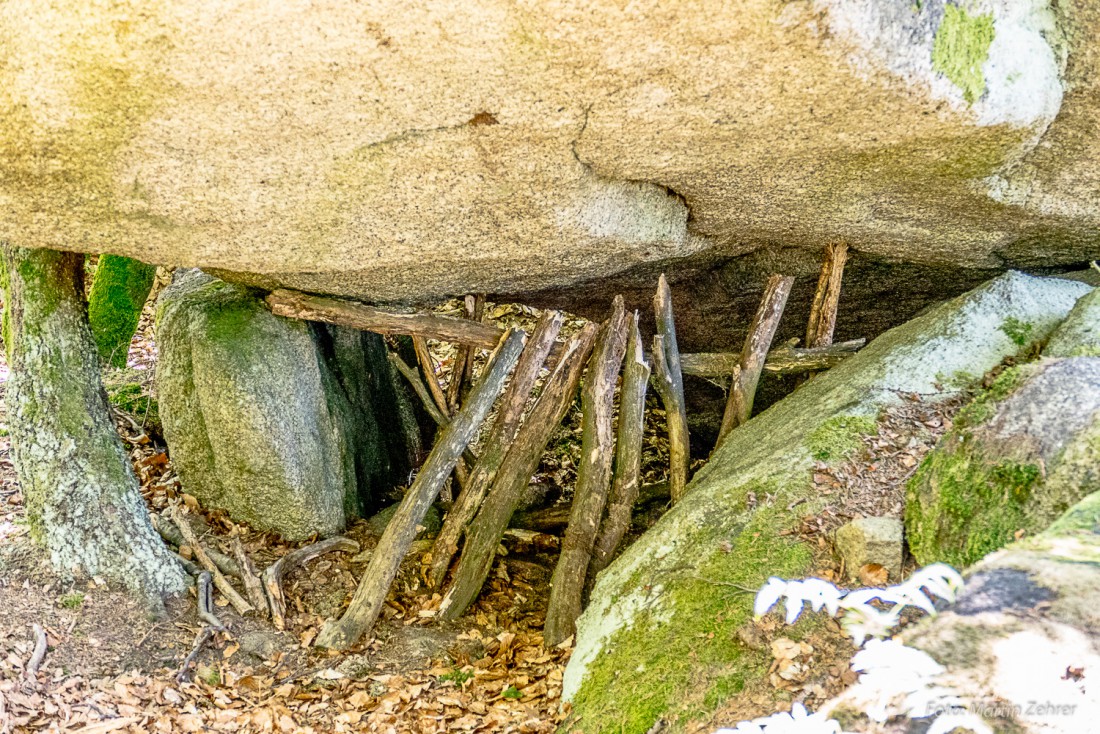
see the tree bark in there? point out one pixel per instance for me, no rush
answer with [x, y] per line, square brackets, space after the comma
[374, 586]
[484, 533]
[496, 445]
[819, 330]
[669, 383]
[628, 455]
[593, 478]
[753, 356]
[82, 496]
[783, 360]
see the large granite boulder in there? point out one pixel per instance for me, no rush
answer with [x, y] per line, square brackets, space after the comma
[400, 152]
[271, 419]
[660, 632]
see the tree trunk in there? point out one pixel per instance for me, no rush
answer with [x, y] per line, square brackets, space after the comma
[401, 530]
[593, 478]
[82, 498]
[484, 533]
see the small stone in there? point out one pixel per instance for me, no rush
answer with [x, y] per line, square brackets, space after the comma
[871, 540]
[261, 643]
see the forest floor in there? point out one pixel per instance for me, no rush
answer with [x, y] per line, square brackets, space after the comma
[110, 666]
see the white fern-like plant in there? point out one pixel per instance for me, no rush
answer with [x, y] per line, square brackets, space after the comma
[889, 670]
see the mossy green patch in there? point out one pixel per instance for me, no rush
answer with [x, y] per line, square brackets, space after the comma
[658, 662]
[984, 404]
[127, 392]
[71, 601]
[961, 47]
[839, 437]
[119, 290]
[1020, 332]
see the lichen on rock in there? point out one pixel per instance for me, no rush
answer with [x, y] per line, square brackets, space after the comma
[961, 47]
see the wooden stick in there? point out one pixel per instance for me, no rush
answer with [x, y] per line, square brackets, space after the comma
[249, 577]
[783, 360]
[168, 530]
[39, 652]
[484, 533]
[205, 604]
[628, 455]
[400, 532]
[463, 368]
[226, 588]
[550, 520]
[496, 445]
[819, 330]
[669, 383]
[421, 391]
[757, 344]
[427, 368]
[275, 573]
[593, 478]
[298, 305]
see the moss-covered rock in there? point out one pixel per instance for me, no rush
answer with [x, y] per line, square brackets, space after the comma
[1028, 617]
[120, 288]
[660, 629]
[1016, 460]
[272, 419]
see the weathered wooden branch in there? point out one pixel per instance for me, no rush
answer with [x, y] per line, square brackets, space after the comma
[819, 330]
[205, 605]
[38, 654]
[496, 445]
[463, 368]
[298, 305]
[427, 368]
[275, 573]
[755, 352]
[783, 360]
[668, 381]
[168, 530]
[554, 519]
[593, 478]
[250, 577]
[484, 533]
[226, 588]
[441, 419]
[400, 532]
[628, 455]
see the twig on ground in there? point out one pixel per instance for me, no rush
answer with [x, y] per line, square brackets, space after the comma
[39, 653]
[226, 588]
[273, 575]
[250, 577]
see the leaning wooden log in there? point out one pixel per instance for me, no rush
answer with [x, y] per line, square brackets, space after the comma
[400, 532]
[628, 455]
[441, 419]
[783, 360]
[757, 343]
[276, 572]
[819, 330]
[484, 533]
[668, 381]
[427, 368]
[298, 305]
[496, 445]
[232, 596]
[593, 478]
[253, 587]
[463, 368]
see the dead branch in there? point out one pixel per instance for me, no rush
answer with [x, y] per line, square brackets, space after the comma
[275, 573]
[463, 369]
[171, 534]
[819, 330]
[441, 419]
[783, 360]
[668, 381]
[249, 577]
[39, 652]
[755, 352]
[628, 454]
[484, 533]
[226, 588]
[427, 369]
[496, 445]
[593, 478]
[374, 586]
[205, 603]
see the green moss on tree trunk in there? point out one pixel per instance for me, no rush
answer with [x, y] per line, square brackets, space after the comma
[82, 498]
[119, 291]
